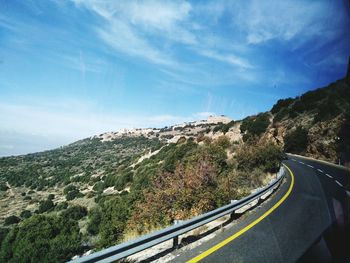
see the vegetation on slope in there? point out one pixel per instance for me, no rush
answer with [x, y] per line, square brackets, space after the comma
[315, 123]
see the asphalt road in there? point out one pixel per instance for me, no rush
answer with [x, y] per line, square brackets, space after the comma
[307, 220]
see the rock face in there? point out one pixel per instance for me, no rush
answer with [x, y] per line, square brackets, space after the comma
[324, 114]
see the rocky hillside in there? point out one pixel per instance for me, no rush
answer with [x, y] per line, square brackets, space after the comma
[315, 124]
[105, 189]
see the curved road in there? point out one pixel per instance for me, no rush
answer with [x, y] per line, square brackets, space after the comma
[307, 220]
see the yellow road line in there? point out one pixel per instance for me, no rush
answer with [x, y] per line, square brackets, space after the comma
[240, 232]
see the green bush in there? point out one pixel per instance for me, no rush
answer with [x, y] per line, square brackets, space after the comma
[296, 141]
[25, 214]
[122, 180]
[45, 206]
[255, 126]
[95, 216]
[3, 187]
[223, 127]
[73, 194]
[10, 220]
[98, 187]
[69, 188]
[328, 110]
[281, 114]
[267, 157]
[281, 104]
[74, 212]
[61, 206]
[3, 233]
[42, 239]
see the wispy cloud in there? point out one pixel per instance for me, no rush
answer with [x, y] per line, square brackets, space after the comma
[148, 30]
[262, 21]
[227, 58]
[130, 27]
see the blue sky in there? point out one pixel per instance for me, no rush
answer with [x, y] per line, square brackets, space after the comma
[72, 68]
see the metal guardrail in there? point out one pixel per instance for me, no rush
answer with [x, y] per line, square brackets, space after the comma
[173, 232]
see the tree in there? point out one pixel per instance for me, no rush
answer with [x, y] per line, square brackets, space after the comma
[26, 214]
[296, 141]
[42, 239]
[3, 187]
[74, 212]
[45, 206]
[265, 156]
[10, 220]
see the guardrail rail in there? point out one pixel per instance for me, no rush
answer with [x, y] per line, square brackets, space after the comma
[173, 232]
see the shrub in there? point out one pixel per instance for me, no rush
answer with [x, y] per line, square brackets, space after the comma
[42, 239]
[3, 187]
[255, 126]
[51, 197]
[25, 214]
[265, 156]
[223, 127]
[122, 180]
[74, 212]
[98, 187]
[61, 206]
[281, 114]
[3, 233]
[281, 104]
[296, 141]
[73, 194]
[94, 220]
[10, 220]
[328, 110]
[188, 191]
[223, 141]
[45, 206]
[69, 188]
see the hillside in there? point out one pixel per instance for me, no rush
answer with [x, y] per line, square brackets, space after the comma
[114, 186]
[316, 124]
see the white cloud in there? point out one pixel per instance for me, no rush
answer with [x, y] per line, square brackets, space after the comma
[121, 37]
[139, 28]
[150, 29]
[227, 58]
[283, 20]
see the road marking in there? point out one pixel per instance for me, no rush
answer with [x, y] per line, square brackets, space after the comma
[293, 160]
[310, 166]
[301, 162]
[348, 193]
[338, 183]
[252, 224]
[320, 170]
[329, 176]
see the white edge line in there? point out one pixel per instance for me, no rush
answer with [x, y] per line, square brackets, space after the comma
[310, 166]
[338, 183]
[320, 170]
[329, 175]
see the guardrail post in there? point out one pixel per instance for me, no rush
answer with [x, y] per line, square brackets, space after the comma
[176, 239]
[175, 242]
